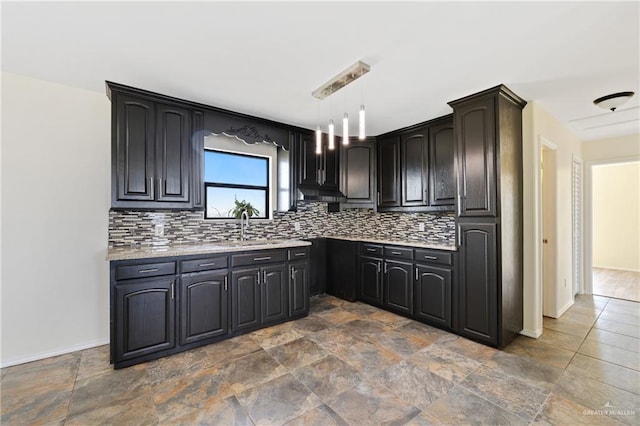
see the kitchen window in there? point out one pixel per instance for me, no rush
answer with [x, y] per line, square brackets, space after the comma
[231, 176]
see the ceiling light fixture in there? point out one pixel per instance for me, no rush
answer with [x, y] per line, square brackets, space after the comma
[318, 133]
[346, 77]
[614, 100]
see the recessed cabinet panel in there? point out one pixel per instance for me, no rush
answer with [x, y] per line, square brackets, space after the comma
[370, 280]
[388, 172]
[274, 293]
[398, 284]
[245, 299]
[478, 282]
[415, 147]
[442, 183]
[476, 157]
[433, 295]
[203, 306]
[308, 160]
[145, 312]
[134, 147]
[298, 289]
[173, 153]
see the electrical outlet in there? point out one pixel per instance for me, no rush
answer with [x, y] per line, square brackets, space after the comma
[159, 230]
[421, 226]
[296, 226]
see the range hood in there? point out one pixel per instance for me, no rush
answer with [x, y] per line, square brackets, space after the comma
[318, 193]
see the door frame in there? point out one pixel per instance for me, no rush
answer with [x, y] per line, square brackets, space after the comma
[549, 305]
[588, 216]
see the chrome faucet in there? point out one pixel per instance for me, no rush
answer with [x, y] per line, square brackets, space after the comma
[244, 224]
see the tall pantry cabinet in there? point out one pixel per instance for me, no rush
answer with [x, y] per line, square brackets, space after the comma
[488, 137]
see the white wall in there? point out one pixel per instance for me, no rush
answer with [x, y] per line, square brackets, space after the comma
[55, 202]
[616, 216]
[539, 128]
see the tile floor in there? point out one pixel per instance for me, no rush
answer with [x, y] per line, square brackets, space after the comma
[353, 364]
[618, 284]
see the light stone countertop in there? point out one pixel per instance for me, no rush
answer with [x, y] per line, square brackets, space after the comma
[148, 252]
[407, 243]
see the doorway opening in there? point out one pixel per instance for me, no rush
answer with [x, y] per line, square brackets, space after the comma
[549, 232]
[615, 230]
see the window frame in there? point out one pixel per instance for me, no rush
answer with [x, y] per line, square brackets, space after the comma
[267, 189]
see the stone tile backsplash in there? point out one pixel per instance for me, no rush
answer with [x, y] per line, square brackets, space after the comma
[128, 228]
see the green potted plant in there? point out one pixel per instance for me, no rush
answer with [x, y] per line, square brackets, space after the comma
[241, 206]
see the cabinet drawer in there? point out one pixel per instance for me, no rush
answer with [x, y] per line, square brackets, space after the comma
[298, 253]
[398, 253]
[204, 264]
[259, 257]
[146, 270]
[434, 256]
[371, 250]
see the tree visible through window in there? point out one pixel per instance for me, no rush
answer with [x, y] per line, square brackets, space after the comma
[229, 176]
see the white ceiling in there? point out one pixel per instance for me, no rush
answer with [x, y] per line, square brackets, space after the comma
[266, 58]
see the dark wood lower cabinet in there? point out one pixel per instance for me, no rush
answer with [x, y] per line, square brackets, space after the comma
[245, 299]
[273, 295]
[203, 306]
[433, 295]
[371, 280]
[398, 286]
[478, 282]
[341, 267]
[146, 313]
[298, 289]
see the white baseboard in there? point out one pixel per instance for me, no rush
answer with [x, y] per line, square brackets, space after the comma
[43, 355]
[532, 333]
[564, 308]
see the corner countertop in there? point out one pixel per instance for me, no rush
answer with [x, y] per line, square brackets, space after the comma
[148, 252]
[408, 243]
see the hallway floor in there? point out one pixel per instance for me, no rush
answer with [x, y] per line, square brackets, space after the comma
[350, 363]
[614, 283]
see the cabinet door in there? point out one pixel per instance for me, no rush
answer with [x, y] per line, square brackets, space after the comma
[358, 173]
[433, 294]
[388, 172]
[475, 134]
[298, 288]
[414, 168]
[370, 280]
[442, 184]
[330, 167]
[173, 142]
[145, 317]
[203, 306]
[274, 283]
[398, 286]
[197, 159]
[245, 299]
[308, 160]
[478, 282]
[133, 153]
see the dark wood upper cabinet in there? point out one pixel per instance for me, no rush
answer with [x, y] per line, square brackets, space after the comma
[475, 124]
[330, 167]
[308, 162]
[414, 165]
[197, 158]
[173, 153]
[358, 177]
[442, 180]
[388, 172]
[416, 168]
[133, 149]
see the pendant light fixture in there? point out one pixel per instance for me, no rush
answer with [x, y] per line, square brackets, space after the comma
[345, 123]
[318, 132]
[347, 76]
